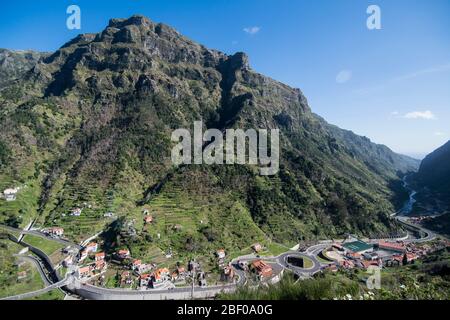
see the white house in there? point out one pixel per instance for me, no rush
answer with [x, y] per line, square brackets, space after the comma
[10, 194]
[76, 212]
[91, 247]
[221, 254]
[108, 215]
[55, 231]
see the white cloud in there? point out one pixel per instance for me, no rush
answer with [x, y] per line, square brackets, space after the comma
[343, 76]
[436, 69]
[404, 77]
[426, 115]
[252, 30]
[439, 134]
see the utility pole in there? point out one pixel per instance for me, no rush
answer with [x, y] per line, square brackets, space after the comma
[193, 279]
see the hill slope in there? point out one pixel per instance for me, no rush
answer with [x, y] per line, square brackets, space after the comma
[434, 171]
[13, 64]
[90, 125]
[433, 184]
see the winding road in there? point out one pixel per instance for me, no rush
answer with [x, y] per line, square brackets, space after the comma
[72, 284]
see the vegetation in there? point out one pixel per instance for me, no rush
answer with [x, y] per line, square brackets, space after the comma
[10, 270]
[46, 246]
[96, 135]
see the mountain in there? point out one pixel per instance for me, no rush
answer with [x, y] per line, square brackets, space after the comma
[89, 126]
[432, 182]
[13, 64]
[434, 171]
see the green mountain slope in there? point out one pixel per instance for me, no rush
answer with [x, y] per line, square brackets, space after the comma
[434, 171]
[433, 184]
[90, 125]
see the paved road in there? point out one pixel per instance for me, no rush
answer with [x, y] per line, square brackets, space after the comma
[429, 235]
[36, 233]
[201, 292]
[283, 261]
[36, 293]
[38, 266]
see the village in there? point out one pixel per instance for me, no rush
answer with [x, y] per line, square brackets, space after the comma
[91, 263]
[355, 253]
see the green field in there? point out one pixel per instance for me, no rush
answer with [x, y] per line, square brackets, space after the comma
[9, 283]
[51, 295]
[47, 246]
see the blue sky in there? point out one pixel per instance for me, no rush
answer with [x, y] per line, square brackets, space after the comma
[391, 85]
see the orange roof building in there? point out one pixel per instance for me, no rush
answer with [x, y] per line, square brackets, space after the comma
[100, 256]
[262, 269]
[148, 219]
[392, 246]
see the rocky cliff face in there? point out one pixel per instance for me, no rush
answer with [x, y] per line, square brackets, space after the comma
[91, 123]
[13, 64]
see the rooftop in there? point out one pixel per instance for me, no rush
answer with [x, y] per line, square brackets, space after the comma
[357, 246]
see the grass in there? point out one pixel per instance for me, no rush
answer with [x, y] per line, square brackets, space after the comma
[47, 246]
[307, 263]
[9, 284]
[51, 295]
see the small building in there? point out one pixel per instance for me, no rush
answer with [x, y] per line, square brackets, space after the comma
[76, 212]
[347, 264]
[100, 265]
[227, 274]
[125, 278]
[136, 264]
[262, 269]
[148, 219]
[179, 273]
[21, 275]
[357, 247]
[193, 265]
[124, 254]
[84, 272]
[82, 255]
[337, 246]
[371, 256]
[411, 257]
[367, 264]
[220, 254]
[55, 231]
[144, 280]
[160, 276]
[354, 255]
[332, 267]
[257, 247]
[108, 215]
[392, 246]
[143, 268]
[100, 256]
[91, 247]
[10, 194]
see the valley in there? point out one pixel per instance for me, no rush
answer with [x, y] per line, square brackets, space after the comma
[89, 186]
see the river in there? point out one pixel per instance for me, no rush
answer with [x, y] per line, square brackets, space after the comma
[408, 206]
